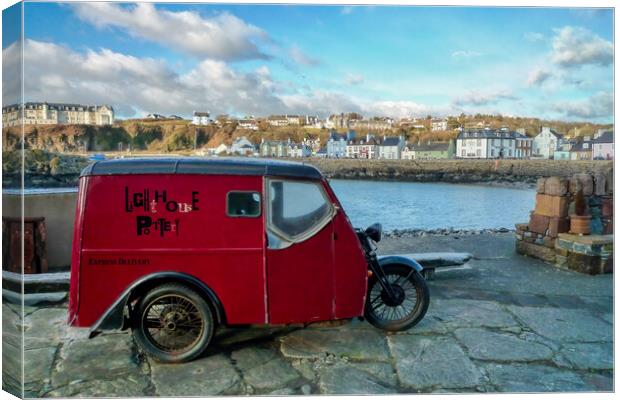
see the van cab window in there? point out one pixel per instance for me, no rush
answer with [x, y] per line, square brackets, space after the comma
[297, 210]
[243, 204]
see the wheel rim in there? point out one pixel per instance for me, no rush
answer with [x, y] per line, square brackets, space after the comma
[173, 323]
[406, 300]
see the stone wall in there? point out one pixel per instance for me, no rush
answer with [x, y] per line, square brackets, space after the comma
[547, 235]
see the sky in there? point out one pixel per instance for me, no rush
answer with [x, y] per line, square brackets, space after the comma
[398, 61]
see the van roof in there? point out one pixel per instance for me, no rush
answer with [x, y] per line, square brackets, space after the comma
[209, 166]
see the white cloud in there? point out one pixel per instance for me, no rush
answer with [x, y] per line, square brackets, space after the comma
[599, 105]
[533, 36]
[223, 36]
[538, 76]
[346, 10]
[301, 58]
[354, 79]
[326, 102]
[575, 46]
[465, 54]
[133, 85]
[11, 72]
[404, 108]
[483, 97]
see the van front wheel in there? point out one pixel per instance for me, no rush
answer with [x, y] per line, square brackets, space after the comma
[410, 302]
[172, 323]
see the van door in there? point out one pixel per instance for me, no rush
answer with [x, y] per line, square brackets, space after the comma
[300, 251]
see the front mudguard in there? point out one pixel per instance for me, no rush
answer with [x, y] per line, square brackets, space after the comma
[388, 260]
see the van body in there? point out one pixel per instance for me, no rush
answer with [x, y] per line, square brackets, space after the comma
[260, 241]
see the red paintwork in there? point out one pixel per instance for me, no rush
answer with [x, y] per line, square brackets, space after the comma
[321, 278]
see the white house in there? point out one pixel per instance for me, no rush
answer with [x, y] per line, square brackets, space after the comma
[299, 150]
[363, 148]
[439, 124]
[250, 124]
[408, 153]
[242, 146]
[219, 150]
[200, 118]
[277, 120]
[603, 146]
[545, 143]
[56, 113]
[486, 143]
[292, 119]
[391, 147]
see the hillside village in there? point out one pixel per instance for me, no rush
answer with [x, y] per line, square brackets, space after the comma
[83, 128]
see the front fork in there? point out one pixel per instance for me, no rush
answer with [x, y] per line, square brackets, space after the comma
[377, 270]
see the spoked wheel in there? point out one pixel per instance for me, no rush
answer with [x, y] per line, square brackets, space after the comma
[408, 305]
[173, 323]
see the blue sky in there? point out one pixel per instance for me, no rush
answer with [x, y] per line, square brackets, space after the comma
[250, 59]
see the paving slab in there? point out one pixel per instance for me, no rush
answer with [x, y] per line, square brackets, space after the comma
[589, 355]
[563, 324]
[131, 385]
[429, 325]
[599, 382]
[534, 378]
[37, 367]
[353, 344]
[46, 327]
[208, 376]
[459, 313]
[426, 362]
[381, 372]
[483, 344]
[264, 369]
[343, 379]
[108, 356]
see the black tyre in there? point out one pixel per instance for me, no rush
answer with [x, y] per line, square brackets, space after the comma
[173, 323]
[410, 305]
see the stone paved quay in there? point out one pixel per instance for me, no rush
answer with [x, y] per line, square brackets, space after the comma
[501, 323]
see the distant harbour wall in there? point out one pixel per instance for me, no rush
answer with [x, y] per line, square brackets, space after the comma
[509, 172]
[457, 171]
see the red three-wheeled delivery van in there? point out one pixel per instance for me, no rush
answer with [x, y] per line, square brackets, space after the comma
[174, 247]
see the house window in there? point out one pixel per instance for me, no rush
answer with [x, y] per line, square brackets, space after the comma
[243, 204]
[478, 142]
[463, 153]
[478, 153]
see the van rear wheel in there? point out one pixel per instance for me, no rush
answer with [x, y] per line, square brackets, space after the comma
[173, 323]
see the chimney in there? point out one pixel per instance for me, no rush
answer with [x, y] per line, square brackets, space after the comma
[367, 137]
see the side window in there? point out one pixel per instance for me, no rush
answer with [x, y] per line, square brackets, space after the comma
[243, 204]
[297, 209]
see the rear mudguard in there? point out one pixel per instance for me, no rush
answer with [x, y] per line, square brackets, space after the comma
[387, 260]
[114, 317]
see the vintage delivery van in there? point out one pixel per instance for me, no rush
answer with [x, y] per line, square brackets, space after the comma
[172, 248]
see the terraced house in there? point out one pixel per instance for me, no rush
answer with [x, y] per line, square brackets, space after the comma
[57, 113]
[366, 147]
[391, 147]
[490, 143]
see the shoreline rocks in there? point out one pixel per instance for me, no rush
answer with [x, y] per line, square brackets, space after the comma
[444, 232]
